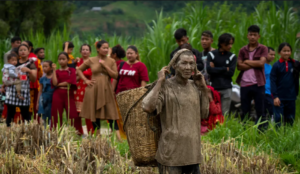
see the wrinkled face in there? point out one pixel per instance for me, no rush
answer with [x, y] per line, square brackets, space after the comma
[206, 42]
[41, 54]
[16, 44]
[46, 67]
[285, 53]
[131, 55]
[85, 51]
[63, 60]
[182, 41]
[271, 56]
[103, 50]
[23, 51]
[13, 61]
[185, 66]
[253, 37]
[226, 47]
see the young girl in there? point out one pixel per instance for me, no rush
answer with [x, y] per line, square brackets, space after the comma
[285, 85]
[45, 93]
[64, 81]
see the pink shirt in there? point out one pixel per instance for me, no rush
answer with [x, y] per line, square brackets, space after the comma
[249, 77]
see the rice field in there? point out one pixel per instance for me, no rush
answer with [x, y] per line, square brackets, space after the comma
[230, 148]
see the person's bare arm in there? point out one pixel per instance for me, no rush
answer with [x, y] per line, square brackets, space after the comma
[66, 47]
[32, 73]
[113, 73]
[38, 98]
[241, 66]
[82, 76]
[114, 84]
[143, 83]
[63, 84]
[150, 101]
[256, 63]
[54, 78]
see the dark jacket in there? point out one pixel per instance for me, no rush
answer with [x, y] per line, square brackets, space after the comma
[198, 58]
[261, 51]
[219, 76]
[284, 80]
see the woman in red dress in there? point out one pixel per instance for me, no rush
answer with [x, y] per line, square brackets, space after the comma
[85, 51]
[64, 81]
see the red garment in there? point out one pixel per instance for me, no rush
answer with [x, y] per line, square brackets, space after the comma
[63, 100]
[213, 119]
[131, 76]
[79, 94]
[34, 85]
[118, 64]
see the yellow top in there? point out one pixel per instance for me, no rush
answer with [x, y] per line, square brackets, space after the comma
[71, 58]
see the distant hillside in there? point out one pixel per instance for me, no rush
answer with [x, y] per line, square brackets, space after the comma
[121, 17]
[129, 17]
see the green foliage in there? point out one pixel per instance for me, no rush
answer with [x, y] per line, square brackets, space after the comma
[20, 17]
[283, 143]
[277, 25]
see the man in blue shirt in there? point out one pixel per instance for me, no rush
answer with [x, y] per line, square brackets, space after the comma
[268, 98]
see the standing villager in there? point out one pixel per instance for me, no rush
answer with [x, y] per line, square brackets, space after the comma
[251, 62]
[85, 51]
[98, 102]
[64, 81]
[12, 100]
[118, 53]
[285, 85]
[179, 146]
[269, 104]
[206, 41]
[15, 43]
[45, 94]
[181, 38]
[221, 64]
[133, 73]
[34, 86]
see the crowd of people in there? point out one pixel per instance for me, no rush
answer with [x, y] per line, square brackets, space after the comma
[86, 87]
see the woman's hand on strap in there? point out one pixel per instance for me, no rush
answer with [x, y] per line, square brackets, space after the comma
[162, 73]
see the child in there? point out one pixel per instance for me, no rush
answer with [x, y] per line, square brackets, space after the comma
[285, 85]
[268, 98]
[10, 75]
[68, 48]
[64, 81]
[45, 94]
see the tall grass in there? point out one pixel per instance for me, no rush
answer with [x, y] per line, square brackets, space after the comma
[278, 24]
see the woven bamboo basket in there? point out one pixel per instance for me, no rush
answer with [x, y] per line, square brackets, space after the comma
[139, 128]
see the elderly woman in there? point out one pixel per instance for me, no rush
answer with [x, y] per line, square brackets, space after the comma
[181, 104]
